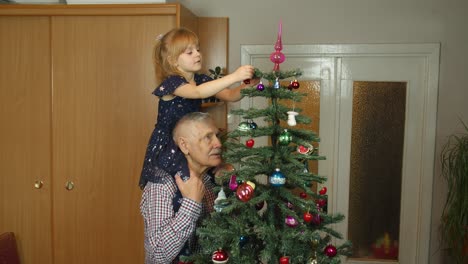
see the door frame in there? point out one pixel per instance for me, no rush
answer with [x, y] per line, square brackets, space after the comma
[330, 74]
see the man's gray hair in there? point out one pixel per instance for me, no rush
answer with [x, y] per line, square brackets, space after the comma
[195, 117]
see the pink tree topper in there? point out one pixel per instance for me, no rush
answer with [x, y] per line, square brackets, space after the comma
[277, 57]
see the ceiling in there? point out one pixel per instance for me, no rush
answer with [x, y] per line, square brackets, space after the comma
[79, 1]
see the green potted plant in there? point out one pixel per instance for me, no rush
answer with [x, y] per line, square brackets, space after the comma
[454, 224]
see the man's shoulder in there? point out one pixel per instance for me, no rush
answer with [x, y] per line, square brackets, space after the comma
[162, 180]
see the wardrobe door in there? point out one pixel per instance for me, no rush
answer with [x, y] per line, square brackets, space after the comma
[25, 138]
[213, 33]
[103, 115]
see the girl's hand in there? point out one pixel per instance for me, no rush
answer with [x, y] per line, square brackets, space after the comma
[193, 188]
[244, 72]
[253, 82]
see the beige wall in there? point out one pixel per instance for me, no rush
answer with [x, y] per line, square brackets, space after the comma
[364, 21]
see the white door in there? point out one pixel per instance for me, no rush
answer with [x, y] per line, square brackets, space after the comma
[408, 75]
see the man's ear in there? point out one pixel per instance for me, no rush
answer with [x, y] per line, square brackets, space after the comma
[183, 145]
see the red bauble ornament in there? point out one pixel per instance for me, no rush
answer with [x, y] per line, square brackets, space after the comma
[250, 143]
[245, 191]
[305, 149]
[220, 256]
[303, 195]
[184, 262]
[330, 251]
[323, 191]
[321, 202]
[295, 84]
[247, 81]
[308, 217]
[284, 260]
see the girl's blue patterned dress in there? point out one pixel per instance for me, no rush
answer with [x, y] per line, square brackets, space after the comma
[162, 151]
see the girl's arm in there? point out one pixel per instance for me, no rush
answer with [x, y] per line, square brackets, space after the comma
[213, 87]
[233, 94]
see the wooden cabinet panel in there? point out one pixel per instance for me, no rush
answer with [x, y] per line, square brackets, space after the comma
[103, 114]
[76, 107]
[25, 141]
[214, 40]
[213, 33]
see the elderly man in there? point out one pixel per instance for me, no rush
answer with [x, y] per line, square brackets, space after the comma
[171, 207]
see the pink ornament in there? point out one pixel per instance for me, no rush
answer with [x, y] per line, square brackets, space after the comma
[291, 221]
[330, 251]
[233, 182]
[277, 57]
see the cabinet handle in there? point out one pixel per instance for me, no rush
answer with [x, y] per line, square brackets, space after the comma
[38, 184]
[69, 185]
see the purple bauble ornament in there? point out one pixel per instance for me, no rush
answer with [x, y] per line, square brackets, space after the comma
[260, 86]
[316, 219]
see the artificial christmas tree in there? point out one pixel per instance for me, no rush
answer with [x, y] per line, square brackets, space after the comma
[265, 221]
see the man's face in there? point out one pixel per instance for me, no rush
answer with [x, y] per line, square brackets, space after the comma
[204, 145]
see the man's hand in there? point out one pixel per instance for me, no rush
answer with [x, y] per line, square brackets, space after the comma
[193, 188]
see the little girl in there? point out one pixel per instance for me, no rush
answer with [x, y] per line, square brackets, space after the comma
[177, 60]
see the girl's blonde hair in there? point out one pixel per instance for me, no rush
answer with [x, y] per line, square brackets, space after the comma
[167, 50]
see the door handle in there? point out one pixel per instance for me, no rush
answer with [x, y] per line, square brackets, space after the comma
[69, 185]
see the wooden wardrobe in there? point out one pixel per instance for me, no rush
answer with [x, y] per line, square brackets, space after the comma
[76, 115]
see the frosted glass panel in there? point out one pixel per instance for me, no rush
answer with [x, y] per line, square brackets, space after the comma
[378, 124]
